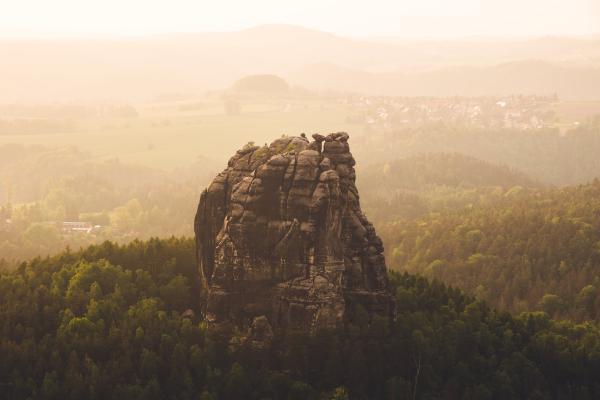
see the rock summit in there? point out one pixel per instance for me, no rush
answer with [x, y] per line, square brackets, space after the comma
[282, 241]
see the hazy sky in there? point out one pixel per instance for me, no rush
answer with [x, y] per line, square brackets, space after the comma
[414, 18]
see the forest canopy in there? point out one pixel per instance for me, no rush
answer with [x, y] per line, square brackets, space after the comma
[111, 321]
[528, 249]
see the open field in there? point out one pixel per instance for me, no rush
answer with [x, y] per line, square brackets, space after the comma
[172, 134]
[165, 135]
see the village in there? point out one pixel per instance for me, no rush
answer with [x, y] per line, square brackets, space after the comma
[511, 112]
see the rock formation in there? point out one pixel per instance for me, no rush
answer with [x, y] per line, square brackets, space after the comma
[282, 241]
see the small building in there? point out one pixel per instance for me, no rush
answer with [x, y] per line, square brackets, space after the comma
[77, 226]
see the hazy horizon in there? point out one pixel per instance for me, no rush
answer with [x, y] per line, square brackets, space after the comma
[474, 37]
[68, 50]
[429, 19]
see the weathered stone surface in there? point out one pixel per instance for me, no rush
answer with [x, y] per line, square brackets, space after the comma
[282, 241]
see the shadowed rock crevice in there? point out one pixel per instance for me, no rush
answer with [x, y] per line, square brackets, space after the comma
[281, 237]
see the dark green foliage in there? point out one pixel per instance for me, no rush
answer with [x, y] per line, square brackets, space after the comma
[106, 323]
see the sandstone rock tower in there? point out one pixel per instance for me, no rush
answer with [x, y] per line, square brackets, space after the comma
[280, 236]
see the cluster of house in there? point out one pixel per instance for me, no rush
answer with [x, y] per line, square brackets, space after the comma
[515, 112]
[78, 226]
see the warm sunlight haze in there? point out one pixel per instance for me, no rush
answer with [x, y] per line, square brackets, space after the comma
[401, 18]
[308, 200]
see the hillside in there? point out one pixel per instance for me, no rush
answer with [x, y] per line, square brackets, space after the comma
[413, 186]
[529, 249]
[108, 322]
[27, 172]
[442, 169]
[43, 187]
[545, 154]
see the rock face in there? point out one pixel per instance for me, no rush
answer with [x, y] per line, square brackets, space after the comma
[282, 241]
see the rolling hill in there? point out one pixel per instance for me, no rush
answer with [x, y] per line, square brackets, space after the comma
[136, 68]
[411, 187]
[521, 77]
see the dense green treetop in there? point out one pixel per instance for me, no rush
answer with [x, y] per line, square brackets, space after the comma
[528, 249]
[106, 322]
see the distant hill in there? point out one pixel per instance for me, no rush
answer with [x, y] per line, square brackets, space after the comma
[521, 77]
[413, 186]
[266, 84]
[141, 68]
[543, 154]
[444, 169]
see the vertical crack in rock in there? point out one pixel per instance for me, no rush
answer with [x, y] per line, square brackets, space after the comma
[282, 241]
